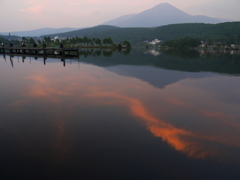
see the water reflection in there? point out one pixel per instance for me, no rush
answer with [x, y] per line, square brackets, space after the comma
[197, 115]
[82, 52]
[104, 52]
[189, 54]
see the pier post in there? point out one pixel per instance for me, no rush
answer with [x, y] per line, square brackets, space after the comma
[61, 51]
[3, 50]
[10, 45]
[35, 45]
[44, 59]
[54, 52]
[64, 62]
[44, 50]
[23, 50]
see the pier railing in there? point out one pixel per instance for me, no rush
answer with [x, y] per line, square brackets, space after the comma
[44, 51]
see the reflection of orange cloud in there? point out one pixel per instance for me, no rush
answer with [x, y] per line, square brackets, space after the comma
[38, 78]
[218, 115]
[224, 118]
[177, 138]
[43, 88]
[175, 101]
[63, 143]
[18, 103]
[99, 88]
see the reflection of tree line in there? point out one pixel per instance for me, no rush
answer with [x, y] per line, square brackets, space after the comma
[193, 54]
[189, 61]
[185, 54]
[101, 52]
[82, 52]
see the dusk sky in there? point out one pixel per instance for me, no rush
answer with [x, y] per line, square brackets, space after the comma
[21, 15]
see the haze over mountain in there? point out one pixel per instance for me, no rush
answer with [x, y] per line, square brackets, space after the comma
[39, 32]
[162, 14]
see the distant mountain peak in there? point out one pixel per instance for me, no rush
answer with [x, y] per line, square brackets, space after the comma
[164, 5]
[159, 15]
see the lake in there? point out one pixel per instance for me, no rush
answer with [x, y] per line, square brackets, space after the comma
[121, 115]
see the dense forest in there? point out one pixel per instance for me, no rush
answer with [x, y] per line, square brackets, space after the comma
[183, 43]
[217, 32]
[7, 42]
[84, 42]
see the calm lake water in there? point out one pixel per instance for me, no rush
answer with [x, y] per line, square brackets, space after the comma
[129, 115]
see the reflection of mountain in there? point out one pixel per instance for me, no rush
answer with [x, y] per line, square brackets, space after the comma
[148, 67]
[184, 61]
[149, 74]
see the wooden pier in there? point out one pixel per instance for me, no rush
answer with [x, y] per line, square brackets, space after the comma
[42, 51]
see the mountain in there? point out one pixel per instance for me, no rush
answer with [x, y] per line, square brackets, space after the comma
[39, 32]
[225, 20]
[162, 14]
[116, 21]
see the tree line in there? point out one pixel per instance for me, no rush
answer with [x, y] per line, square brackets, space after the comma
[6, 41]
[81, 41]
[189, 42]
[183, 43]
[75, 41]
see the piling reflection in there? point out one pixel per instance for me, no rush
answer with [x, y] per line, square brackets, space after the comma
[82, 52]
[105, 52]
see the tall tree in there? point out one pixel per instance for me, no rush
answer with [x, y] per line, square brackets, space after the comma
[39, 41]
[31, 41]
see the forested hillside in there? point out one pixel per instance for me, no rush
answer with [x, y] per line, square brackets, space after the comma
[218, 32]
[85, 32]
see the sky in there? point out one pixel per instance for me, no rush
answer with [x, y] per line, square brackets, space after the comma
[22, 15]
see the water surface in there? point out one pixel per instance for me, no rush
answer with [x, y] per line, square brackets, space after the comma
[128, 115]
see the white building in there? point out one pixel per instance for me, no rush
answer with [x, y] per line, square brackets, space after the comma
[155, 41]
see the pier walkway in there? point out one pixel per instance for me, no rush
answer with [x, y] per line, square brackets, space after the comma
[44, 51]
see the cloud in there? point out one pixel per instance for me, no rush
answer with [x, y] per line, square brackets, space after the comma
[32, 10]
